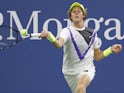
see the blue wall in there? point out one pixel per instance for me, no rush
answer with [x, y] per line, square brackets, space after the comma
[34, 66]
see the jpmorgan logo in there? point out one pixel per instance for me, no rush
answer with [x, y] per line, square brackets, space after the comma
[14, 19]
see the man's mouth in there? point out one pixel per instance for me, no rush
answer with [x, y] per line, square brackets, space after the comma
[76, 16]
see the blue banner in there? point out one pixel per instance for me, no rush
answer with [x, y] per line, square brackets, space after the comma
[34, 66]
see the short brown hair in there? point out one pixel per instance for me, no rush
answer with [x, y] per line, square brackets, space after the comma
[76, 4]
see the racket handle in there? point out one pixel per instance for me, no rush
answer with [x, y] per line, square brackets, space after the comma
[35, 34]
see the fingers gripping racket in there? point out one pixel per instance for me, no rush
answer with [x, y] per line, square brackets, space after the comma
[10, 36]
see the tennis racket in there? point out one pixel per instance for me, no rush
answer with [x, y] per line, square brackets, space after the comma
[10, 36]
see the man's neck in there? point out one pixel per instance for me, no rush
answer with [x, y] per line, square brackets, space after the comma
[78, 24]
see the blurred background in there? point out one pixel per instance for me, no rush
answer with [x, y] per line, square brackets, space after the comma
[34, 66]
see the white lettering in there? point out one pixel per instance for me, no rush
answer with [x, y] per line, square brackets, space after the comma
[95, 23]
[59, 25]
[116, 29]
[1, 22]
[1, 19]
[14, 16]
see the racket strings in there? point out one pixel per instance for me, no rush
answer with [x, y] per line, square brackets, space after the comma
[4, 32]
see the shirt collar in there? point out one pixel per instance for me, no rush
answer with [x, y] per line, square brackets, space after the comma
[79, 29]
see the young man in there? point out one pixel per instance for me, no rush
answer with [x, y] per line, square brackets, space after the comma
[81, 47]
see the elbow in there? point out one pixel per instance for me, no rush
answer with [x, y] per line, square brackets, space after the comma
[57, 45]
[98, 55]
[97, 58]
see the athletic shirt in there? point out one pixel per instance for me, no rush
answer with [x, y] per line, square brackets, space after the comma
[71, 62]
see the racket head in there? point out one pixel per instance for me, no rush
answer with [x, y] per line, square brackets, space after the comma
[9, 37]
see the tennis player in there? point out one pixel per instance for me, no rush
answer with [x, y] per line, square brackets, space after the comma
[81, 47]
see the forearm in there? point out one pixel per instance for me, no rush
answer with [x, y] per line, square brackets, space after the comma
[58, 43]
[98, 54]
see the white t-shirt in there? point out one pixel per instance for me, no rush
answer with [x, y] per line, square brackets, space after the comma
[71, 62]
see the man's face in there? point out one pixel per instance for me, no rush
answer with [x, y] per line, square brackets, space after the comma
[77, 14]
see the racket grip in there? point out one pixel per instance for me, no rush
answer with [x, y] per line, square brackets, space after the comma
[35, 34]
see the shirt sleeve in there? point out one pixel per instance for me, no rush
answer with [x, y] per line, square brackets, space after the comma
[96, 42]
[64, 34]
